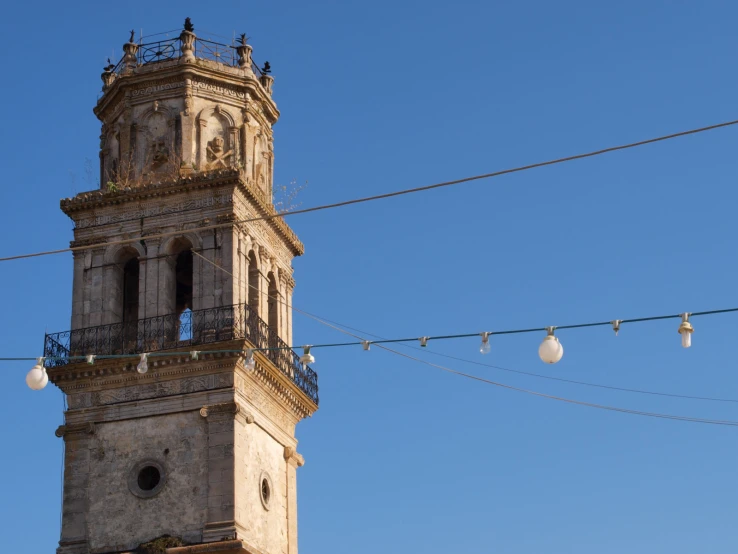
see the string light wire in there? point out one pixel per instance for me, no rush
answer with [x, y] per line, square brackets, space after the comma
[390, 194]
[363, 341]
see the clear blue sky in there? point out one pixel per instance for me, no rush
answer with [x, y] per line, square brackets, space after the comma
[383, 95]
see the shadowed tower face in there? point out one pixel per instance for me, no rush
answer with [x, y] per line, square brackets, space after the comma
[199, 452]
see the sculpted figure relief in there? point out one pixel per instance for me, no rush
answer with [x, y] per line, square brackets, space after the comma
[159, 153]
[216, 155]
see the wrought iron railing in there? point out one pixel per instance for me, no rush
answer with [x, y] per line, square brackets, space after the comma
[191, 328]
[171, 49]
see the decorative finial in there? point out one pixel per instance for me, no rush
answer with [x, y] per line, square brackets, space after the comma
[267, 69]
[133, 35]
[243, 39]
[188, 26]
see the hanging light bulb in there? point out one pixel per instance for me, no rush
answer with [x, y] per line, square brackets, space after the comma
[37, 377]
[423, 341]
[686, 330]
[307, 357]
[250, 363]
[194, 354]
[365, 344]
[551, 349]
[143, 365]
[616, 326]
[485, 348]
[90, 359]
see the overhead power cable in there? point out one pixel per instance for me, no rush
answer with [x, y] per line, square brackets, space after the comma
[389, 194]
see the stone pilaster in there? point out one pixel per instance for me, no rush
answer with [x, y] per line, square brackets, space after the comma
[77, 440]
[221, 524]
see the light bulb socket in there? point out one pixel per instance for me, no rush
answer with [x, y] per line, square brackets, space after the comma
[307, 357]
[365, 344]
[616, 326]
[90, 359]
[686, 326]
[424, 341]
[194, 354]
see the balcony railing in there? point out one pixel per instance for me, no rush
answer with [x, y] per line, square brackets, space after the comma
[171, 49]
[169, 332]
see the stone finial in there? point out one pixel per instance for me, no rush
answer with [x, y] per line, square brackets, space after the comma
[108, 76]
[244, 53]
[130, 49]
[266, 79]
[187, 42]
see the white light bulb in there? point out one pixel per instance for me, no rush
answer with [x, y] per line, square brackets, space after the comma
[143, 365]
[551, 350]
[37, 377]
[485, 347]
[686, 330]
[250, 363]
[307, 357]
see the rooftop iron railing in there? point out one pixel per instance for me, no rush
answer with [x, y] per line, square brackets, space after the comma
[172, 331]
[171, 49]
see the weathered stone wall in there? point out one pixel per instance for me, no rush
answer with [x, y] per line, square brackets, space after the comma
[259, 456]
[118, 520]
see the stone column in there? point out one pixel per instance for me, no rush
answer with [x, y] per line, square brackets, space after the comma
[282, 282]
[263, 284]
[207, 273]
[188, 130]
[288, 298]
[167, 284]
[200, 146]
[294, 460]
[95, 285]
[76, 478]
[78, 290]
[229, 262]
[112, 294]
[150, 281]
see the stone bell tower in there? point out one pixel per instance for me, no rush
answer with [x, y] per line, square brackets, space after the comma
[194, 448]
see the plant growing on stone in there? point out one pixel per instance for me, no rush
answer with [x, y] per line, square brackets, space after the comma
[285, 196]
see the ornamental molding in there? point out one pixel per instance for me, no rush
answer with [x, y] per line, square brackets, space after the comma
[122, 383]
[77, 430]
[158, 86]
[205, 77]
[227, 408]
[292, 457]
[199, 202]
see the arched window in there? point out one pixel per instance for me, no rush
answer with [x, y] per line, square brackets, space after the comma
[124, 298]
[180, 302]
[274, 305]
[253, 294]
[130, 291]
[183, 278]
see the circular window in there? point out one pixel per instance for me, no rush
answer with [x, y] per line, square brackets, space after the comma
[146, 478]
[265, 490]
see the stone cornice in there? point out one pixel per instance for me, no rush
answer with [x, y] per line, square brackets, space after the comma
[90, 201]
[107, 376]
[241, 80]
